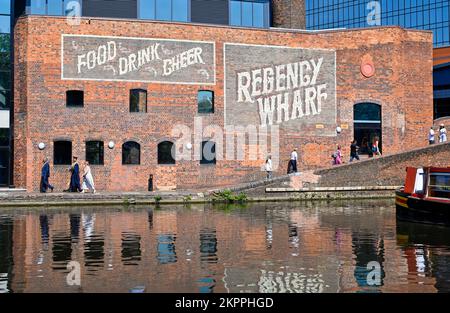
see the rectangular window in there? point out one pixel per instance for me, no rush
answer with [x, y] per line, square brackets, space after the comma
[138, 100]
[205, 101]
[247, 14]
[4, 137]
[258, 14]
[146, 9]
[163, 10]
[5, 6]
[5, 24]
[74, 98]
[5, 97]
[5, 80]
[95, 152]
[180, 10]
[208, 152]
[37, 7]
[62, 153]
[235, 13]
[55, 7]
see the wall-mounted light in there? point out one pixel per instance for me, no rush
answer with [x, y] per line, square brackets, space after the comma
[111, 144]
[41, 146]
[338, 130]
[189, 146]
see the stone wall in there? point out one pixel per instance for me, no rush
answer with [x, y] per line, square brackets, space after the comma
[385, 171]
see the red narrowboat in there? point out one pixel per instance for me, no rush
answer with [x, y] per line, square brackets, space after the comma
[425, 197]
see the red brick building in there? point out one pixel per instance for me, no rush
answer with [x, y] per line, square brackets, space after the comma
[79, 88]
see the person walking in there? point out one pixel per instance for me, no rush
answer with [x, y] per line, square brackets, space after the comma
[337, 156]
[45, 174]
[268, 167]
[431, 136]
[75, 176]
[376, 147]
[442, 134]
[292, 168]
[88, 179]
[354, 151]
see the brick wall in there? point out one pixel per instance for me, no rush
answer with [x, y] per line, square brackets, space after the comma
[385, 171]
[402, 85]
[289, 14]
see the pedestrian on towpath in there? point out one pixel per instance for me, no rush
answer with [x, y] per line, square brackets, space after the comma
[88, 179]
[292, 168]
[45, 174]
[74, 185]
[442, 134]
[354, 151]
[337, 156]
[431, 136]
[268, 167]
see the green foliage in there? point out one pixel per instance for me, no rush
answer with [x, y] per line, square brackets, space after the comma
[227, 196]
[157, 199]
[187, 198]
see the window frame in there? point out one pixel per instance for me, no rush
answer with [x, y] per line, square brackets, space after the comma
[70, 156]
[123, 152]
[172, 160]
[75, 93]
[203, 161]
[198, 101]
[101, 152]
[138, 107]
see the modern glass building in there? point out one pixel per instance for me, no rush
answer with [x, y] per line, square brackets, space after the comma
[420, 14]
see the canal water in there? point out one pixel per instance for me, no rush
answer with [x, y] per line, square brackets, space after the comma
[355, 246]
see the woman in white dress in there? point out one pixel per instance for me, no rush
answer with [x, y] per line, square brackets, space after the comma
[88, 180]
[442, 133]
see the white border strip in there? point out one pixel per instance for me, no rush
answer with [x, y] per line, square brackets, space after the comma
[141, 81]
[279, 47]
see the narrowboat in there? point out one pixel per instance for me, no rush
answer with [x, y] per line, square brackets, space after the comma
[425, 197]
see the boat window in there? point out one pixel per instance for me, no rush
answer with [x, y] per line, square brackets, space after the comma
[439, 186]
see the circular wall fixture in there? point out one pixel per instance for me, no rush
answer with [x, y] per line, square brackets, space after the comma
[111, 144]
[41, 146]
[189, 146]
[368, 69]
[338, 130]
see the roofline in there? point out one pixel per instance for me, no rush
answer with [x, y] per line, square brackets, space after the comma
[272, 29]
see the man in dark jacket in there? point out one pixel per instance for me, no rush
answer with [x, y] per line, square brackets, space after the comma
[75, 185]
[45, 174]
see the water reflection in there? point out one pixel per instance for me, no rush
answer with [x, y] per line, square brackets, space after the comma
[304, 247]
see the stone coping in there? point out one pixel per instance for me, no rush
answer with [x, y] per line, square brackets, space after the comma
[332, 189]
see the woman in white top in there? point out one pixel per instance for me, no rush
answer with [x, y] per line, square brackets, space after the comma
[442, 134]
[268, 167]
[88, 180]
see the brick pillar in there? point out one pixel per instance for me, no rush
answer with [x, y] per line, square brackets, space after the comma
[289, 14]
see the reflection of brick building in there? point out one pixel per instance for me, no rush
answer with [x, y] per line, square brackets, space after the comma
[389, 68]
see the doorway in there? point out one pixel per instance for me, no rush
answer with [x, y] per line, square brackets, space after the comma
[367, 126]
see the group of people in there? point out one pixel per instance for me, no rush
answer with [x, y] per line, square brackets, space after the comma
[442, 135]
[374, 150]
[75, 183]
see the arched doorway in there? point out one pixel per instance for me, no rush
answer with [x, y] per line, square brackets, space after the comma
[367, 125]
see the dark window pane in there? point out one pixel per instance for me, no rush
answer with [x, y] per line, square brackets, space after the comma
[5, 61]
[208, 152]
[5, 43]
[4, 166]
[163, 10]
[4, 137]
[441, 108]
[5, 24]
[165, 153]
[62, 153]
[138, 100]
[147, 9]
[95, 152]
[131, 153]
[367, 112]
[180, 10]
[235, 13]
[55, 7]
[205, 101]
[5, 80]
[5, 97]
[5, 6]
[74, 98]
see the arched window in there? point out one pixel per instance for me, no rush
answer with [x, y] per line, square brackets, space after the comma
[74, 98]
[62, 152]
[165, 153]
[205, 101]
[138, 100]
[95, 152]
[208, 152]
[131, 153]
[367, 126]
